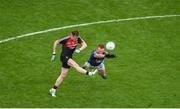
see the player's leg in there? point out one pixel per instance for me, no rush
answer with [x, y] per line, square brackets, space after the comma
[102, 71]
[73, 64]
[85, 65]
[64, 72]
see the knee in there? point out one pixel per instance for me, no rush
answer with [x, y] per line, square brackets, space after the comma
[76, 66]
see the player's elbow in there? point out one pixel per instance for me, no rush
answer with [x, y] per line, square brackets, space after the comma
[56, 42]
[84, 44]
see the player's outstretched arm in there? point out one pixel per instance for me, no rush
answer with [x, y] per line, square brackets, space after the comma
[99, 55]
[55, 46]
[83, 45]
[110, 56]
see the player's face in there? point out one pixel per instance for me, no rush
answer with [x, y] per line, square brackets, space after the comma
[100, 50]
[74, 38]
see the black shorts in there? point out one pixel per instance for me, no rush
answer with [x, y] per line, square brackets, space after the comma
[64, 59]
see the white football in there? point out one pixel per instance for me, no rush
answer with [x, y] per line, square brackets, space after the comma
[110, 45]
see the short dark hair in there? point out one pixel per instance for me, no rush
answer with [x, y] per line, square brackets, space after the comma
[100, 46]
[75, 33]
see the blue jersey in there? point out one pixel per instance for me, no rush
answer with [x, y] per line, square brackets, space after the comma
[95, 61]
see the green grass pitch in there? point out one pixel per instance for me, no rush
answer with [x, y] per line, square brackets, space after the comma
[145, 73]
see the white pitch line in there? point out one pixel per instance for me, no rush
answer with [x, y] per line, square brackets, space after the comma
[85, 24]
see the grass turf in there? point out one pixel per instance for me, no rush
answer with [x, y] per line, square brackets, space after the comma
[144, 74]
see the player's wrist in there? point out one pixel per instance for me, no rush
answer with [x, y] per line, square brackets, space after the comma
[77, 50]
[54, 53]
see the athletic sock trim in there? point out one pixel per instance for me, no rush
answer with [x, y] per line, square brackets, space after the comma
[87, 73]
[55, 87]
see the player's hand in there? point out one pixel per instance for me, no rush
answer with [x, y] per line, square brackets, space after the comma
[77, 50]
[53, 57]
[110, 56]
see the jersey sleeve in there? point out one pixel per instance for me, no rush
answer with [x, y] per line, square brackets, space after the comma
[80, 40]
[109, 55]
[105, 53]
[63, 40]
[93, 53]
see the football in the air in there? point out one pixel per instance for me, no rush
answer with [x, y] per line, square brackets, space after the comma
[110, 45]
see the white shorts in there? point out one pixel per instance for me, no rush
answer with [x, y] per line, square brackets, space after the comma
[99, 67]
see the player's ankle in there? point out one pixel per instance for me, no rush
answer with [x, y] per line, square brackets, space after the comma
[87, 73]
[55, 87]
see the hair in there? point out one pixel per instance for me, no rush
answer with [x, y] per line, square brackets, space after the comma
[100, 46]
[75, 33]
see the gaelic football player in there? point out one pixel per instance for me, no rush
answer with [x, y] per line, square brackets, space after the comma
[69, 44]
[96, 60]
